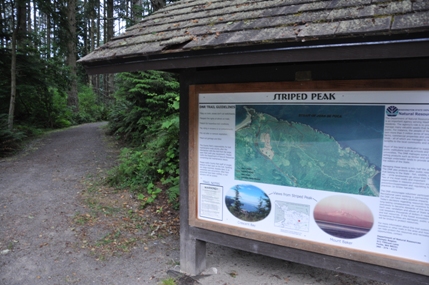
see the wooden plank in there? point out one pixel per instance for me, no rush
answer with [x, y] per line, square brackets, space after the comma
[192, 250]
[369, 271]
[336, 85]
[356, 255]
[193, 152]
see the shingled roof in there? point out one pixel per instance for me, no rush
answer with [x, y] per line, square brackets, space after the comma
[191, 29]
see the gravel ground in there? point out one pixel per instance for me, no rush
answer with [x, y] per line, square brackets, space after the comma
[41, 196]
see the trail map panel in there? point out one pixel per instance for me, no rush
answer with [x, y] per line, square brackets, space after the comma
[343, 169]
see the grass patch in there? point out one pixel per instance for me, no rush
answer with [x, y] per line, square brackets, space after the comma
[168, 281]
[113, 222]
[82, 219]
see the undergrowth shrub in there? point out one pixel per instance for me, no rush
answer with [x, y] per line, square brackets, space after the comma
[146, 117]
[9, 139]
[90, 110]
[60, 112]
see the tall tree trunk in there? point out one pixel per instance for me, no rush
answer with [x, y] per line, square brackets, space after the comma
[48, 35]
[98, 23]
[108, 84]
[72, 99]
[127, 13]
[97, 78]
[17, 37]
[104, 76]
[12, 81]
[110, 20]
[35, 28]
[137, 10]
[28, 20]
[22, 19]
[92, 30]
[157, 4]
[86, 27]
[34, 17]
[2, 38]
[92, 27]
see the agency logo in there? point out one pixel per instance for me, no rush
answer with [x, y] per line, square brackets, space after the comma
[392, 111]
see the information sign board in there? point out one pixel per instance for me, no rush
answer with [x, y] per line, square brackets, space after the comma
[340, 172]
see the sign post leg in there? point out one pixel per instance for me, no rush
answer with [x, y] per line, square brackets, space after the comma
[192, 255]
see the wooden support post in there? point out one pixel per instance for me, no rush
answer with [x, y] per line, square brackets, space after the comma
[192, 255]
[192, 250]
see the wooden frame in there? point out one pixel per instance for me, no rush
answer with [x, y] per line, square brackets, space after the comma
[354, 85]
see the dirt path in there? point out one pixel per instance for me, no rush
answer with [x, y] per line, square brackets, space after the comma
[40, 243]
[38, 200]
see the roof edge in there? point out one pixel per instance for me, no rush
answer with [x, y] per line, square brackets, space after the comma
[382, 49]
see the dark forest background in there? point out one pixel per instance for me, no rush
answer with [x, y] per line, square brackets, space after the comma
[42, 88]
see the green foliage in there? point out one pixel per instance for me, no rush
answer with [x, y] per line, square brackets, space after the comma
[89, 109]
[152, 193]
[142, 98]
[146, 116]
[60, 112]
[155, 160]
[168, 281]
[9, 139]
[38, 80]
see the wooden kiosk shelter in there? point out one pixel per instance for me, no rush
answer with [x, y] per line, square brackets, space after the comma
[268, 90]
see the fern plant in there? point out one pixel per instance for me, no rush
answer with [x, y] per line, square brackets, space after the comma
[146, 116]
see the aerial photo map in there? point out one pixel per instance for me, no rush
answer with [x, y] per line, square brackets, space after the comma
[323, 147]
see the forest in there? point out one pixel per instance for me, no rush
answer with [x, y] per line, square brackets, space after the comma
[43, 88]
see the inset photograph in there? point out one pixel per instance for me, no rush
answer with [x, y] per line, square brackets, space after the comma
[343, 217]
[248, 203]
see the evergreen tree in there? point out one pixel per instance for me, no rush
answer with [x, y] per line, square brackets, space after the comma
[72, 99]
[146, 115]
[237, 206]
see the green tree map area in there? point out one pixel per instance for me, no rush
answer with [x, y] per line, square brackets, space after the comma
[288, 153]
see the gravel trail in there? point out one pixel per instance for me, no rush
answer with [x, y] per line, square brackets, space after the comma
[38, 199]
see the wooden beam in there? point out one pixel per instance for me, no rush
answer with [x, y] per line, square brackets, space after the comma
[317, 53]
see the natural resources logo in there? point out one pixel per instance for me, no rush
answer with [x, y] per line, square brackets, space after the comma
[392, 111]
